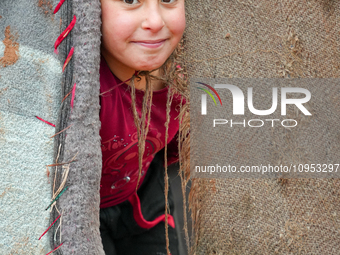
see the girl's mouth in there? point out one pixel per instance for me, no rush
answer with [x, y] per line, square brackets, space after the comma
[150, 43]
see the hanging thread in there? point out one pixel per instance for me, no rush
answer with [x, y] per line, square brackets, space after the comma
[69, 93]
[135, 74]
[61, 190]
[61, 131]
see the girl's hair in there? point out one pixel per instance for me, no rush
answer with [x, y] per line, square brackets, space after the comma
[173, 74]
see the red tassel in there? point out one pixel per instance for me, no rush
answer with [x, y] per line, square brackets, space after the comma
[58, 6]
[68, 58]
[49, 123]
[65, 33]
[73, 94]
[55, 249]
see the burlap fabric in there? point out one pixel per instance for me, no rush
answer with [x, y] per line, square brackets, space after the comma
[267, 39]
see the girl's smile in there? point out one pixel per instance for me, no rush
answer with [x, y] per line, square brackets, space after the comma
[140, 34]
[150, 43]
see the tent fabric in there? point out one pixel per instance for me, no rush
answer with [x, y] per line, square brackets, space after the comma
[32, 84]
[80, 143]
[265, 39]
[224, 38]
[30, 78]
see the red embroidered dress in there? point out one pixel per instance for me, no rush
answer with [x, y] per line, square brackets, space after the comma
[119, 141]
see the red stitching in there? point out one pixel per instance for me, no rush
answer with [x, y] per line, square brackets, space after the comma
[68, 58]
[55, 249]
[49, 227]
[64, 34]
[56, 44]
[58, 6]
[73, 94]
[49, 123]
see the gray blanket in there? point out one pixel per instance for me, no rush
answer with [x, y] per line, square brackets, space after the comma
[30, 85]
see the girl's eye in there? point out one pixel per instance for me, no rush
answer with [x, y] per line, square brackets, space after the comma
[168, 1]
[131, 1]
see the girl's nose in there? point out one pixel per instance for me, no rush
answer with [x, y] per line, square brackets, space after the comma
[153, 19]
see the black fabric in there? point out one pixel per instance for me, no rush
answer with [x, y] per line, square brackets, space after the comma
[119, 231]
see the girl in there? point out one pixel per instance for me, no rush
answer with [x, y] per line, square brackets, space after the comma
[138, 118]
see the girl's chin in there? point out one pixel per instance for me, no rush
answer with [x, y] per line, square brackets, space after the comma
[147, 67]
[148, 63]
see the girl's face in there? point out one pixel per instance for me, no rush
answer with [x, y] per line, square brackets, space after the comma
[141, 34]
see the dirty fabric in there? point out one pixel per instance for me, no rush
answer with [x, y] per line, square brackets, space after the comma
[79, 205]
[30, 85]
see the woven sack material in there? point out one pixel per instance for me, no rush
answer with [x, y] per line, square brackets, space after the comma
[265, 39]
